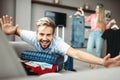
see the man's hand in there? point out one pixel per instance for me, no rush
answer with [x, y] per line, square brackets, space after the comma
[111, 62]
[7, 25]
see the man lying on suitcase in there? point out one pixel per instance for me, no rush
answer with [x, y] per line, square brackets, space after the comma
[44, 40]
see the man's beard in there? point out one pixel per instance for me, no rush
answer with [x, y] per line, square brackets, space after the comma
[43, 43]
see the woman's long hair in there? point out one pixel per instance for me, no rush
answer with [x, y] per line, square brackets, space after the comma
[101, 18]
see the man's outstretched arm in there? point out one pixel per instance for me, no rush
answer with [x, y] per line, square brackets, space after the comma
[89, 58]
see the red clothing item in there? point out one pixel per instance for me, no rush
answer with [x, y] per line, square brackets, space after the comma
[39, 71]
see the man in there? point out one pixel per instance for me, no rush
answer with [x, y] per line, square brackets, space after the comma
[44, 40]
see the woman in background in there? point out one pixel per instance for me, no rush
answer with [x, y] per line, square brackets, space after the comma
[98, 25]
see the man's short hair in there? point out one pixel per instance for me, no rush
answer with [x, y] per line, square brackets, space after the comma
[45, 21]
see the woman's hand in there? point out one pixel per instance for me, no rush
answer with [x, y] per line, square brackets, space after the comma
[112, 21]
[81, 10]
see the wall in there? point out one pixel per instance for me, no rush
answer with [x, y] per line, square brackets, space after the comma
[38, 12]
[7, 7]
[113, 6]
[39, 9]
[23, 14]
[26, 14]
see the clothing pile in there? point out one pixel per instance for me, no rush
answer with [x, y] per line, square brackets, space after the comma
[41, 63]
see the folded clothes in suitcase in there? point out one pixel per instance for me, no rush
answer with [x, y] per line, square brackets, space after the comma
[54, 58]
[38, 70]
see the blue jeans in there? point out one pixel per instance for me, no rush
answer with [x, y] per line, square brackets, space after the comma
[95, 40]
[77, 32]
[77, 38]
[69, 64]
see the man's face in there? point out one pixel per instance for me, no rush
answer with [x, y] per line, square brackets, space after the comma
[44, 35]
